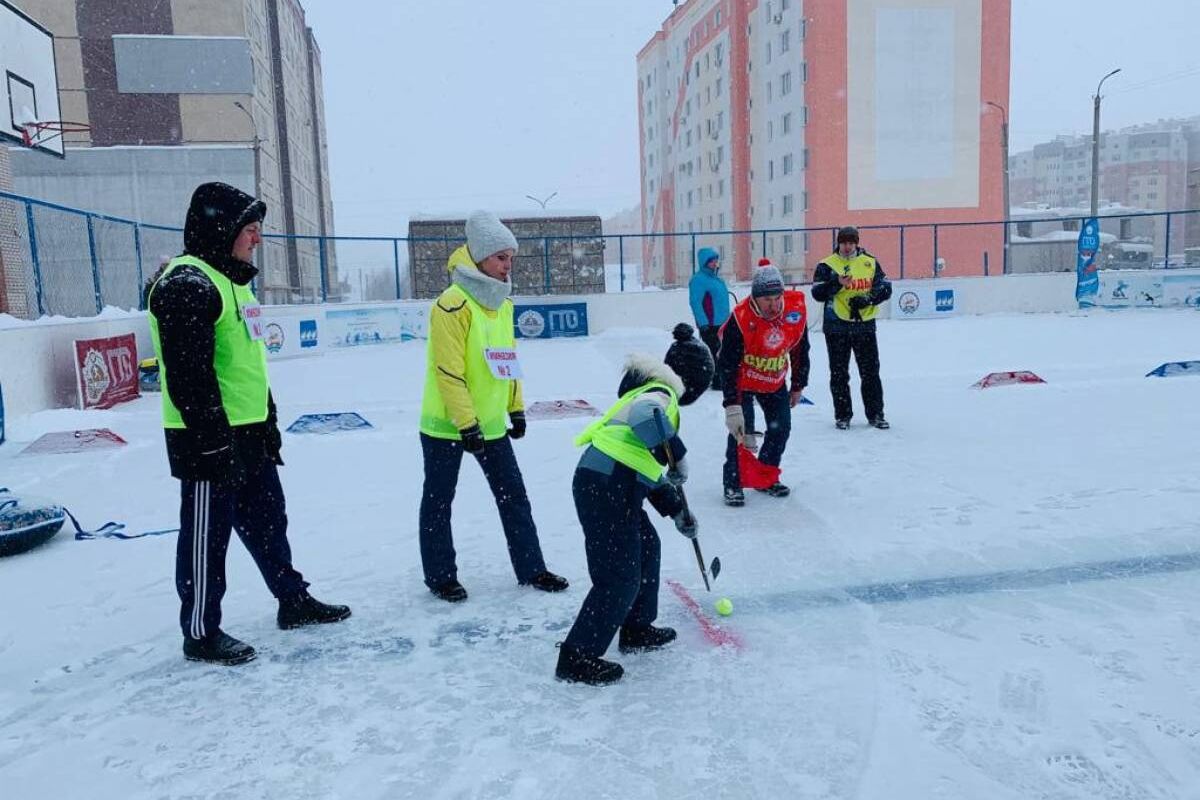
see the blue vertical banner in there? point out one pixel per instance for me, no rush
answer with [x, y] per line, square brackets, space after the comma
[1087, 277]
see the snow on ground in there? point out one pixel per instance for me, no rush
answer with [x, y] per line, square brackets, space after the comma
[998, 598]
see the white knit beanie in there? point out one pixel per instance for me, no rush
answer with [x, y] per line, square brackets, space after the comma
[487, 235]
[768, 280]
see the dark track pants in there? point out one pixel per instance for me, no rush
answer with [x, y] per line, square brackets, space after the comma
[443, 458]
[623, 554]
[839, 343]
[208, 512]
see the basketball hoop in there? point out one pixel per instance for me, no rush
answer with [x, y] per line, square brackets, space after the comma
[37, 132]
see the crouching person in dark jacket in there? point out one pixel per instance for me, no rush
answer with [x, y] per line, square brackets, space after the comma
[223, 441]
[621, 468]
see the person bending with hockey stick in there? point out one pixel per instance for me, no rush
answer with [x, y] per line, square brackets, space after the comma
[621, 468]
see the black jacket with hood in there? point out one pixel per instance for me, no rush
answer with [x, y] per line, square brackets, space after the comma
[187, 305]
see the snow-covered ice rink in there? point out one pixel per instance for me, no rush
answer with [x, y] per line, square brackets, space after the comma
[998, 598]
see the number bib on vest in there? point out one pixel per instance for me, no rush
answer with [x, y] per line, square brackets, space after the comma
[503, 363]
[252, 316]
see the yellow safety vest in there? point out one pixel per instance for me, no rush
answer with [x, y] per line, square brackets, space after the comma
[620, 443]
[239, 361]
[489, 394]
[861, 270]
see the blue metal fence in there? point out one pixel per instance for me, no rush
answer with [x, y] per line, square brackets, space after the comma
[77, 262]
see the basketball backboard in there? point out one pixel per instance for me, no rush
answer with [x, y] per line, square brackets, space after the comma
[28, 78]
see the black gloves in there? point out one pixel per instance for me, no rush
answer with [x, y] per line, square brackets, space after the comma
[858, 302]
[678, 474]
[517, 418]
[472, 439]
[686, 524]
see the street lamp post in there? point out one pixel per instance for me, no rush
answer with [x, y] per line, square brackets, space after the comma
[540, 202]
[257, 148]
[1004, 156]
[1096, 143]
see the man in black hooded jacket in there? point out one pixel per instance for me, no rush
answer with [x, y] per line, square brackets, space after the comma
[223, 441]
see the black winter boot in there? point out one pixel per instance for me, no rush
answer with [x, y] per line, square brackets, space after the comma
[637, 640]
[577, 667]
[218, 648]
[842, 424]
[451, 591]
[546, 582]
[880, 423]
[776, 489]
[734, 497]
[304, 609]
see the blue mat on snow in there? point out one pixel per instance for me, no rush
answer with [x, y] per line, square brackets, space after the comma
[1172, 368]
[329, 423]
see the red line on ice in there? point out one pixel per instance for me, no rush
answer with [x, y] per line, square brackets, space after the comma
[713, 632]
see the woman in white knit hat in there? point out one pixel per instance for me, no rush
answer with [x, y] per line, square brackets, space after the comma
[473, 404]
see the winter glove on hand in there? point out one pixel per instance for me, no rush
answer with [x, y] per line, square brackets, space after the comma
[735, 421]
[517, 418]
[472, 439]
[678, 474]
[686, 524]
[858, 302]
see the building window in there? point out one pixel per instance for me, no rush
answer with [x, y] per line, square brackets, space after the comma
[787, 243]
[804, 161]
[768, 52]
[770, 130]
[789, 203]
[785, 41]
[689, 198]
[804, 115]
[803, 34]
[787, 164]
[804, 200]
[720, 153]
[806, 241]
[784, 5]
[721, 191]
[718, 87]
[787, 123]
[771, 210]
[770, 92]
[785, 84]
[718, 17]
[804, 72]
[721, 221]
[771, 170]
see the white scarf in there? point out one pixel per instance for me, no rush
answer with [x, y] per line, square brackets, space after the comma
[485, 290]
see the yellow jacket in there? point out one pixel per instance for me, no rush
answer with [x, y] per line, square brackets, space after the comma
[449, 322]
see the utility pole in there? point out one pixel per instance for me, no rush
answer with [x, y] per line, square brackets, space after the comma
[1004, 156]
[257, 149]
[1096, 143]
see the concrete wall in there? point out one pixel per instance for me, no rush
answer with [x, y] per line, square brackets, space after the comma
[149, 184]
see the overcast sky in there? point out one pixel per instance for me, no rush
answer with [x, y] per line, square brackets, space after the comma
[449, 105]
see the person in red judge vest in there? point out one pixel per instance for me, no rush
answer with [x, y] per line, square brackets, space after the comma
[766, 332]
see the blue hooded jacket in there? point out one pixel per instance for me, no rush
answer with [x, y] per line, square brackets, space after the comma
[707, 292]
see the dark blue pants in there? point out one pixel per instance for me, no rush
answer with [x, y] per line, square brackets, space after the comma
[623, 552]
[777, 411]
[209, 510]
[443, 457]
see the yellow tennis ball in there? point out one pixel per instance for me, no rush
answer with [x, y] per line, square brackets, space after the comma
[724, 606]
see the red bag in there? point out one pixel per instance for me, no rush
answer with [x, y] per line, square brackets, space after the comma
[754, 473]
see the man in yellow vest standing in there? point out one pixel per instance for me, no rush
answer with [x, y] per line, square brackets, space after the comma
[223, 443]
[472, 394]
[852, 284]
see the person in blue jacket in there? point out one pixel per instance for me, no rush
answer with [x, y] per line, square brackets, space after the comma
[709, 297]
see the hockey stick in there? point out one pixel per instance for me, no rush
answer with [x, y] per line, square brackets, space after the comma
[716, 562]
